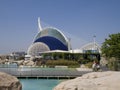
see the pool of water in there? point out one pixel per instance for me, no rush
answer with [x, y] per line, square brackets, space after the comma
[39, 84]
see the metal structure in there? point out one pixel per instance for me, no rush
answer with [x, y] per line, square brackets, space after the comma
[35, 48]
[93, 47]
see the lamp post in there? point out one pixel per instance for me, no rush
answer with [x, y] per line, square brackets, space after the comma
[69, 45]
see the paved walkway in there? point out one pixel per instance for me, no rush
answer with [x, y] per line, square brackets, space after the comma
[84, 69]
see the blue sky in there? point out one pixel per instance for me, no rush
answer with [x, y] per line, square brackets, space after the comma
[77, 19]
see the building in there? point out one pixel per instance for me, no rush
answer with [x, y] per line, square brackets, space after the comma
[51, 40]
[17, 55]
[48, 39]
[92, 47]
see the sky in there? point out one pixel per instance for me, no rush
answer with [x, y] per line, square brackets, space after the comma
[79, 20]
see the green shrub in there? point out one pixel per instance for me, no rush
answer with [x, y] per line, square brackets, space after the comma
[68, 63]
[89, 65]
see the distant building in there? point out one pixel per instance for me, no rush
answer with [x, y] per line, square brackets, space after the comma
[17, 55]
[91, 47]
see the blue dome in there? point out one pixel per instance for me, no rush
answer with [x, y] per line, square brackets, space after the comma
[53, 38]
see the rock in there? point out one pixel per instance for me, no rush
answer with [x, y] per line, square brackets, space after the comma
[24, 62]
[8, 82]
[93, 81]
[28, 63]
[2, 61]
[20, 62]
[103, 61]
[82, 66]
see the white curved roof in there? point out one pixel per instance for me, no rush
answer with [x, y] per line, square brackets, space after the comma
[91, 46]
[54, 32]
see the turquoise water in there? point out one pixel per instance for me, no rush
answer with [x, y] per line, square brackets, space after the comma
[39, 84]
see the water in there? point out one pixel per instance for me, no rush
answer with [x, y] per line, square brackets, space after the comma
[33, 84]
[14, 65]
[39, 84]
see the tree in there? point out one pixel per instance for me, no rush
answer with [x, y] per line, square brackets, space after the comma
[111, 49]
[111, 46]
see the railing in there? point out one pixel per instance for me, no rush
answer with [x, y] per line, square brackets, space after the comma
[42, 72]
